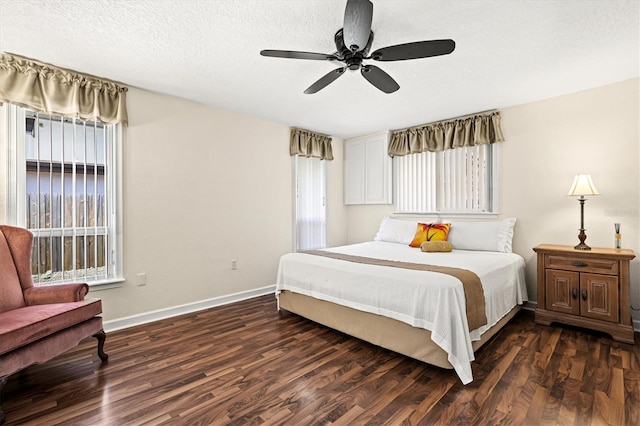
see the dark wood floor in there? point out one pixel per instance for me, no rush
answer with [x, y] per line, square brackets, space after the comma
[243, 364]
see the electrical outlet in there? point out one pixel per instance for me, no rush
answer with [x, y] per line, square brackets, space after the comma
[142, 279]
[234, 264]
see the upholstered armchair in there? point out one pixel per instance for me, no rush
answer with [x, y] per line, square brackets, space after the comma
[38, 323]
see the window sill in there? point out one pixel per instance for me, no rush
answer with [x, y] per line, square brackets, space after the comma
[443, 215]
[105, 284]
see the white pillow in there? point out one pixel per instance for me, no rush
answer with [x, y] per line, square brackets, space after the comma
[484, 235]
[396, 230]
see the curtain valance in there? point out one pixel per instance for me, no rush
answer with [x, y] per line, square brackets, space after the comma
[309, 144]
[53, 90]
[478, 129]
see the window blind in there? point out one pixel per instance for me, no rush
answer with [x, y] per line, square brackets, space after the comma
[310, 208]
[451, 181]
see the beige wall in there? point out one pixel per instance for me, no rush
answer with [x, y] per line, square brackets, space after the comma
[548, 142]
[595, 132]
[203, 186]
[194, 198]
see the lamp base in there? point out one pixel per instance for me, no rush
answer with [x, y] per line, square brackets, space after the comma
[582, 236]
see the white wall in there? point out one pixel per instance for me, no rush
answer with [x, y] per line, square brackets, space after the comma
[203, 186]
[547, 143]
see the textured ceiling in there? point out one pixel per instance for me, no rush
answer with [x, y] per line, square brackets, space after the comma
[507, 53]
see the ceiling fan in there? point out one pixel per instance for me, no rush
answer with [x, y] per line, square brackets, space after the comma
[353, 42]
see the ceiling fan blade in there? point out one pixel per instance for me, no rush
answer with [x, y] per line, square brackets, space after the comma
[298, 55]
[379, 78]
[357, 24]
[415, 50]
[325, 80]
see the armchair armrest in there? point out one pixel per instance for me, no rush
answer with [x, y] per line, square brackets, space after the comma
[55, 294]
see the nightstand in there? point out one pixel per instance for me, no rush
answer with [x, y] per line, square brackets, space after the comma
[587, 289]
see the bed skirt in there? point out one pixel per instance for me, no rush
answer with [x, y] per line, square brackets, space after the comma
[381, 331]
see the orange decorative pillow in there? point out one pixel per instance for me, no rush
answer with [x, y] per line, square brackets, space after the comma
[430, 232]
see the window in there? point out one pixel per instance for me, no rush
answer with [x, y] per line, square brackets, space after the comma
[309, 208]
[460, 180]
[62, 184]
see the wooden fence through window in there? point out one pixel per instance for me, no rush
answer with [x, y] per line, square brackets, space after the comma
[55, 256]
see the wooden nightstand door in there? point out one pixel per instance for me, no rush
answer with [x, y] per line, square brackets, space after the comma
[562, 291]
[599, 297]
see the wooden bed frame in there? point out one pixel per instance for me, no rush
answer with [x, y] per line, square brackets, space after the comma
[379, 330]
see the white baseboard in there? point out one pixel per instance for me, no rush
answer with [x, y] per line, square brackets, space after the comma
[531, 306]
[147, 317]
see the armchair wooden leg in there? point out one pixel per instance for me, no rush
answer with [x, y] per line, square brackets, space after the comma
[101, 336]
[3, 381]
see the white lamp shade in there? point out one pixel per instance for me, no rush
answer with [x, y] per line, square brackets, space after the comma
[583, 185]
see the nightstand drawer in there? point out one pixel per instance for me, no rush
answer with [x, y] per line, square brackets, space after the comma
[581, 264]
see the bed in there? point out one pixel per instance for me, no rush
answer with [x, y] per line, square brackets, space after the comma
[398, 305]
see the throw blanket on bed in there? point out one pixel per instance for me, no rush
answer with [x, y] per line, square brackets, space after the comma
[475, 303]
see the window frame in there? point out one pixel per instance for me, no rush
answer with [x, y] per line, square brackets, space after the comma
[13, 183]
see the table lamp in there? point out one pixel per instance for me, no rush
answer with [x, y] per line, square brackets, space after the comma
[582, 185]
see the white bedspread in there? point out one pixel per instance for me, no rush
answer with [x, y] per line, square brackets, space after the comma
[423, 299]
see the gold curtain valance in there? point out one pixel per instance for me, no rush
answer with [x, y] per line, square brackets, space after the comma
[53, 90]
[479, 129]
[309, 144]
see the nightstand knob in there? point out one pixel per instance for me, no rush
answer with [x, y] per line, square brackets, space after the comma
[574, 293]
[584, 294]
[579, 264]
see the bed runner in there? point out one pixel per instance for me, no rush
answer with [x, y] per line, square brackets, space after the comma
[475, 303]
